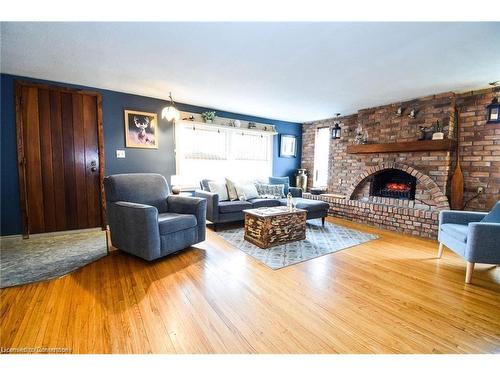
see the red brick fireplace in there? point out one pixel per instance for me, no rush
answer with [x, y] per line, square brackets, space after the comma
[354, 172]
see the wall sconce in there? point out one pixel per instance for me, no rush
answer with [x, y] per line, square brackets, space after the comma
[413, 113]
[493, 112]
[337, 130]
[170, 113]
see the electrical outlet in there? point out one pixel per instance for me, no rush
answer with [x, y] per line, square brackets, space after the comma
[120, 154]
[480, 190]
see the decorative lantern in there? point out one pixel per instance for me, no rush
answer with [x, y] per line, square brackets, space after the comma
[336, 130]
[493, 112]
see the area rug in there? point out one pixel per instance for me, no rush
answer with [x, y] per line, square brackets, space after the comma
[44, 257]
[319, 241]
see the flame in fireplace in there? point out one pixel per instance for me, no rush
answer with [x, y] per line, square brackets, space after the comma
[399, 187]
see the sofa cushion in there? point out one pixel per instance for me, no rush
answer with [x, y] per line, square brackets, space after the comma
[231, 190]
[457, 231]
[234, 206]
[170, 222]
[281, 181]
[246, 191]
[494, 215]
[270, 191]
[309, 205]
[220, 189]
[263, 202]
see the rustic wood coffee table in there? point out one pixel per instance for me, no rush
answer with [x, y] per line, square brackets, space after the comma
[271, 226]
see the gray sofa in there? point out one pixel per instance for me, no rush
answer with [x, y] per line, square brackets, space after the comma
[146, 220]
[230, 211]
[474, 236]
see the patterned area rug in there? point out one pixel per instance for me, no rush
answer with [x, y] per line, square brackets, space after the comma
[46, 257]
[319, 241]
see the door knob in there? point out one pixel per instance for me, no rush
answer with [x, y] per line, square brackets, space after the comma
[93, 169]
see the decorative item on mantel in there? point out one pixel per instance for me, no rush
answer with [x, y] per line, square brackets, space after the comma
[438, 131]
[493, 108]
[413, 113]
[337, 129]
[365, 138]
[425, 133]
[208, 116]
[358, 139]
[399, 112]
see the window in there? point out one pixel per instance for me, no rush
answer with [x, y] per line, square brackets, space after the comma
[209, 151]
[321, 156]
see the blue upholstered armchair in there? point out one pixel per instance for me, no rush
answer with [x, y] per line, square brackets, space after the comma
[474, 236]
[146, 220]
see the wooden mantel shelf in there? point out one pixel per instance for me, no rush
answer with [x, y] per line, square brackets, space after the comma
[415, 146]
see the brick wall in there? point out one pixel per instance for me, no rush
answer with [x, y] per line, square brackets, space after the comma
[479, 149]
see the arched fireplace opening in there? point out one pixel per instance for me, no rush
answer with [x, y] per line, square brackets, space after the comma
[393, 183]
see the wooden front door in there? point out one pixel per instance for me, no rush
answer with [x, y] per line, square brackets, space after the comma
[60, 156]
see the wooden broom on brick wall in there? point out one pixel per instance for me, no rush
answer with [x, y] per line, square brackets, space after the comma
[457, 180]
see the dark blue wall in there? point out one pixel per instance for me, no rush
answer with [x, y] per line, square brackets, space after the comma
[137, 160]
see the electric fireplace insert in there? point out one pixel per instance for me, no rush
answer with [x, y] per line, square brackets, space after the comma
[393, 183]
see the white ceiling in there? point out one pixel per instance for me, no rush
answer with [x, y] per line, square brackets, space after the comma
[288, 71]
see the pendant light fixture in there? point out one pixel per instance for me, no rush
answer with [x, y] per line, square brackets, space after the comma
[170, 113]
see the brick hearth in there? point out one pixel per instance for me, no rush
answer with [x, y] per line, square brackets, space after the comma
[413, 221]
[350, 174]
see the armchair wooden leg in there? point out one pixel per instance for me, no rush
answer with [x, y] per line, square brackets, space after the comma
[440, 250]
[468, 272]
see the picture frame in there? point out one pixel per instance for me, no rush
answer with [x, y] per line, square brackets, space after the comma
[141, 129]
[288, 146]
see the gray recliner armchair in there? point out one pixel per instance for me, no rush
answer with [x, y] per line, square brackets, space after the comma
[146, 220]
[474, 236]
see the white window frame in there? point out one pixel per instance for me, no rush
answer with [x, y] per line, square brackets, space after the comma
[230, 155]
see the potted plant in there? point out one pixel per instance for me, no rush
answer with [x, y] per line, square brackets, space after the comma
[208, 116]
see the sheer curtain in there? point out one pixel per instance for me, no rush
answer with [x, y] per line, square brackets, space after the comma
[208, 151]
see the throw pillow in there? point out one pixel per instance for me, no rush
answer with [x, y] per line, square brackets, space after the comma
[281, 181]
[246, 191]
[270, 191]
[218, 188]
[494, 215]
[231, 190]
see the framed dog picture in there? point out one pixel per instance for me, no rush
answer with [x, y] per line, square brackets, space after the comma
[141, 129]
[288, 146]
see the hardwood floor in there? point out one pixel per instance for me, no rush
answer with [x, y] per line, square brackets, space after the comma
[391, 295]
